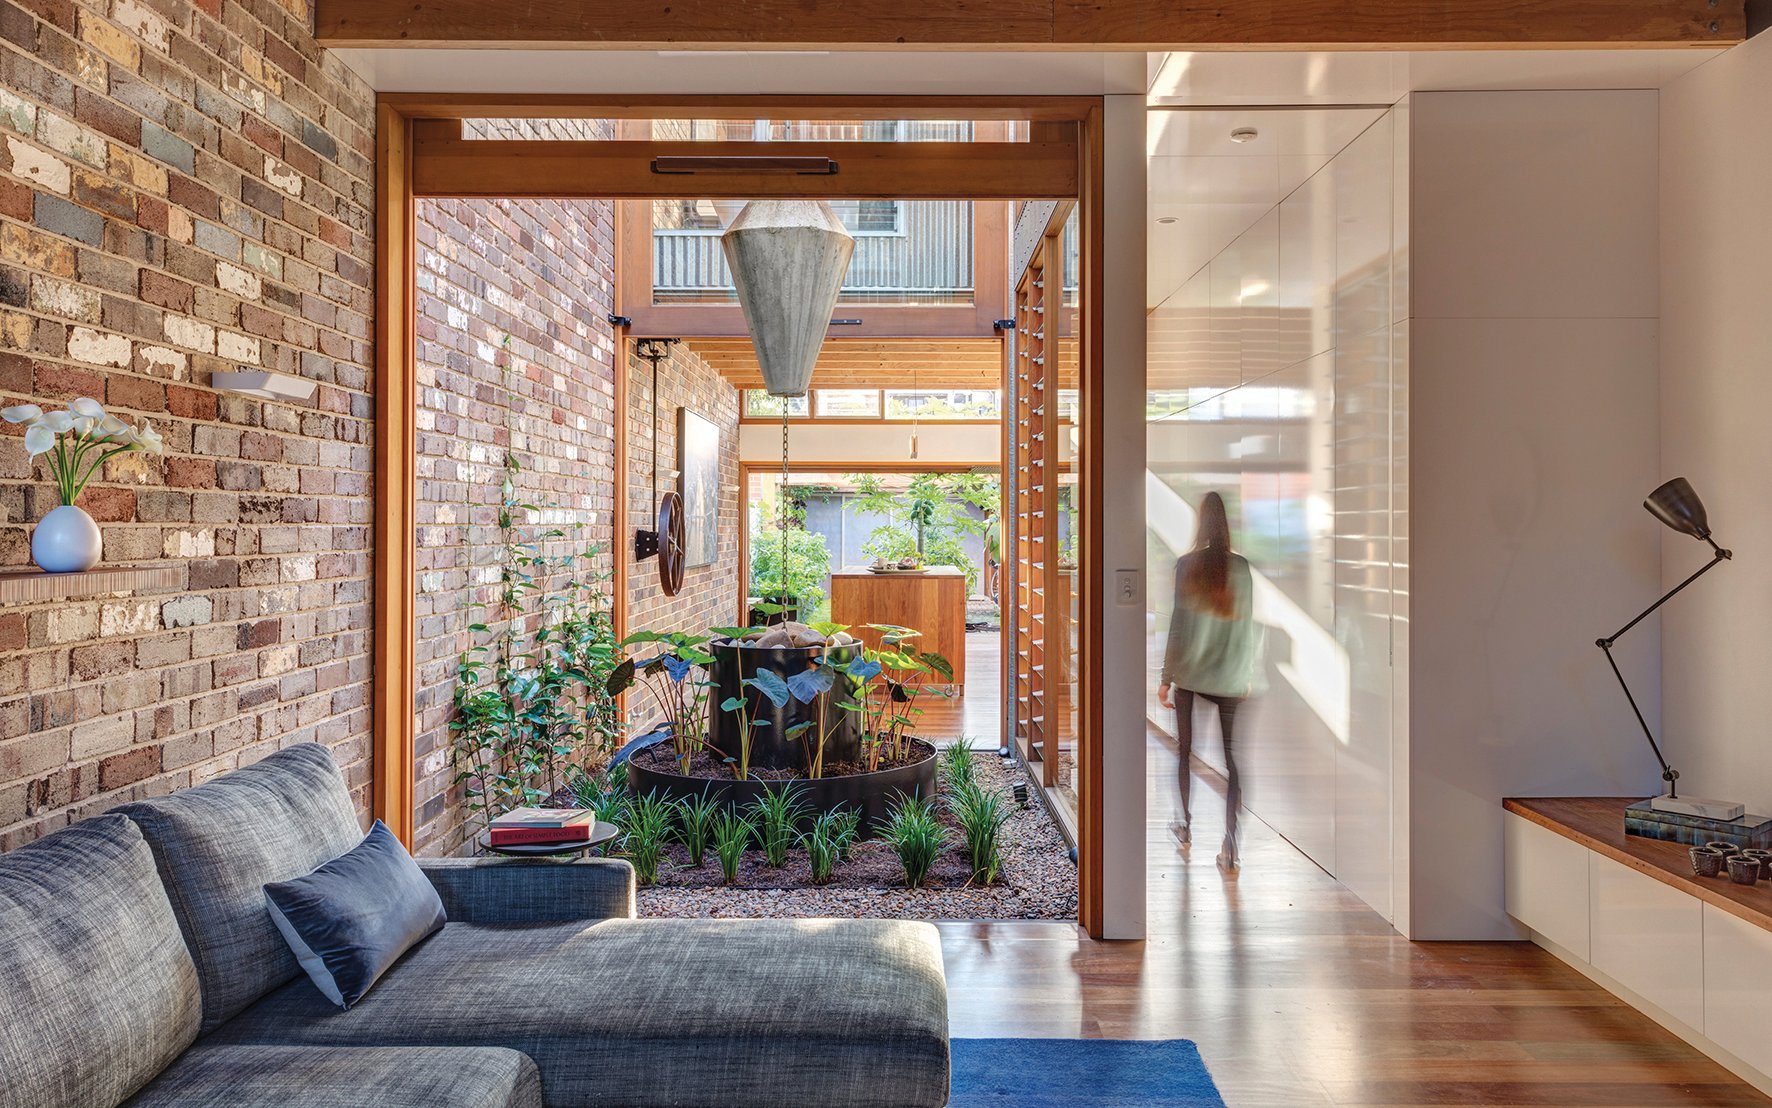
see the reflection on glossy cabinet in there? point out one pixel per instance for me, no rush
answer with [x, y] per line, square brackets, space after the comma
[1649, 938]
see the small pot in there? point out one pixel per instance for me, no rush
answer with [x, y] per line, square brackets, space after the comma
[1707, 861]
[1743, 871]
[1764, 857]
[1725, 847]
[66, 541]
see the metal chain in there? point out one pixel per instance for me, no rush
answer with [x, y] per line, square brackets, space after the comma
[782, 495]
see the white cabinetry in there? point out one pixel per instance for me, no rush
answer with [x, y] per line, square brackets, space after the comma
[1737, 986]
[1546, 884]
[1649, 937]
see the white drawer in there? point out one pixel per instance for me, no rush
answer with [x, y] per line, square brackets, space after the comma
[1737, 983]
[1649, 937]
[1545, 878]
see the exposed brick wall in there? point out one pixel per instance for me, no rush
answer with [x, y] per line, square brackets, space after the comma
[185, 186]
[541, 273]
[709, 596]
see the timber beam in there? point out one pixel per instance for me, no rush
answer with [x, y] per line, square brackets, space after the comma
[1029, 24]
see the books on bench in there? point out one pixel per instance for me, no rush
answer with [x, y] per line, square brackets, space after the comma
[542, 825]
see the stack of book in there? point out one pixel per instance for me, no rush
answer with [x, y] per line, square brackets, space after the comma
[529, 826]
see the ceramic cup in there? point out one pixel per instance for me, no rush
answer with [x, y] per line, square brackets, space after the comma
[1726, 848]
[1706, 861]
[1743, 871]
[1764, 857]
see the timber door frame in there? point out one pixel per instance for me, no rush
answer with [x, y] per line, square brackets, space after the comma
[420, 153]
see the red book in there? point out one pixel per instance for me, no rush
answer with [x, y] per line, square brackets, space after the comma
[517, 836]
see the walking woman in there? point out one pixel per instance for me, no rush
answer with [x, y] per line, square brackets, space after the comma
[1214, 654]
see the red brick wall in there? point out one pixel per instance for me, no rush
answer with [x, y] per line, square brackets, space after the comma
[709, 597]
[185, 186]
[539, 272]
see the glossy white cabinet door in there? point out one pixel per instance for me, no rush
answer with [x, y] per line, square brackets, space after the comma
[1737, 986]
[1546, 883]
[1649, 937]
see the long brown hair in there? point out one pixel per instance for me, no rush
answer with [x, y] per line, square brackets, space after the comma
[1207, 586]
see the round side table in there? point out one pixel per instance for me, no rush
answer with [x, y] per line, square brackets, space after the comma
[600, 833]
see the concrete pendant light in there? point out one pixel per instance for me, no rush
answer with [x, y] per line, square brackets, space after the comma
[788, 259]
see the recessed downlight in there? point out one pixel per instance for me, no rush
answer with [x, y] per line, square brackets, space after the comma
[1245, 134]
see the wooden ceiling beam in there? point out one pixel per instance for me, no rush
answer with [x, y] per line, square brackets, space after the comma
[1029, 24]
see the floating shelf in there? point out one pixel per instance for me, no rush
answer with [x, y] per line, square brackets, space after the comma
[27, 586]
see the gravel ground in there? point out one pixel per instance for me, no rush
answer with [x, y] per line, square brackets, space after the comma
[1038, 880]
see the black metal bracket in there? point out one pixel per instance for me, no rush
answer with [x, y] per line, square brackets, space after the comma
[845, 323]
[646, 542]
[1003, 324]
[619, 320]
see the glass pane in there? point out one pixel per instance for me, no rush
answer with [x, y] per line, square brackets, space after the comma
[848, 403]
[943, 404]
[760, 405]
[906, 251]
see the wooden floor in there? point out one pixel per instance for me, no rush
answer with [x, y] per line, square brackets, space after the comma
[977, 714]
[1297, 994]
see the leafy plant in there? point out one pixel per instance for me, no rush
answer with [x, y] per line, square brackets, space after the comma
[824, 847]
[676, 676]
[732, 836]
[981, 814]
[886, 684]
[788, 562]
[695, 825]
[777, 815]
[647, 828]
[956, 766]
[918, 837]
[928, 518]
[847, 826]
[604, 793]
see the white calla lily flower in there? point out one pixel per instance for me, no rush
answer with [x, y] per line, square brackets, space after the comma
[21, 413]
[87, 407]
[58, 423]
[111, 427]
[149, 439]
[39, 440]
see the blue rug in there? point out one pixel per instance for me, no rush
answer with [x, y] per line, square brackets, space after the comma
[1080, 1073]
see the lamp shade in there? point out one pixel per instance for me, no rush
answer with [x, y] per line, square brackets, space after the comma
[1677, 505]
[788, 259]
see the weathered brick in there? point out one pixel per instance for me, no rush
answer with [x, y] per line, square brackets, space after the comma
[59, 217]
[122, 770]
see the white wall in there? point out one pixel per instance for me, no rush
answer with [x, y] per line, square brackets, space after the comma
[837, 444]
[1716, 393]
[1285, 343]
[1533, 438]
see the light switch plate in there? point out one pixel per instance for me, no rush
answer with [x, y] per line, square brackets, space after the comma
[1127, 592]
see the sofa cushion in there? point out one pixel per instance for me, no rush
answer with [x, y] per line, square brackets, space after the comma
[352, 918]
[218, 845]
[97, 990]
[345, 1077]
[663, 1012]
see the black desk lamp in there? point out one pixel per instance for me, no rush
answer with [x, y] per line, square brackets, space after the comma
[1678, 506]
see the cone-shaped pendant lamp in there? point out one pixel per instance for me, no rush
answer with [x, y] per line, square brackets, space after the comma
[788, 259]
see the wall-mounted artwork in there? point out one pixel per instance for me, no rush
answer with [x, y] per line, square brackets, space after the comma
[698, 461]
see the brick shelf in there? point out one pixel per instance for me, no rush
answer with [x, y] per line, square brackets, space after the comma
[27, 586]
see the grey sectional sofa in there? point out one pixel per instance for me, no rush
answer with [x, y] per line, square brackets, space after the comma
[138, 966]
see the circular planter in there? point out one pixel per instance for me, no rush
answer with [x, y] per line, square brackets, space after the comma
[771, 747]
[871, 794]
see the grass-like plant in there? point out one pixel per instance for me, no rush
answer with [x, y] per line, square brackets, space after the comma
[604, 793]
[777, 815]
[695, 825]
[956, 767]
[981, 814]
[916, 833]
[732, 835]
[650, 821]
[824, 847]
[847, 827]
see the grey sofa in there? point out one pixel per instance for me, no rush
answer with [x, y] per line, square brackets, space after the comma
[138, 966]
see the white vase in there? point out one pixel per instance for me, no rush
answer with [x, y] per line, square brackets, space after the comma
[66, 541]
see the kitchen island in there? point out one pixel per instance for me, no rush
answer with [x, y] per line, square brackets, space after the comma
[933, 602]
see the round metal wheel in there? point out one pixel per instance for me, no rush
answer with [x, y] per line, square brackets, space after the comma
[670, 543]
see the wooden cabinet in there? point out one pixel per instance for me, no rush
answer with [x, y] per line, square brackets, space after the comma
[932, 602]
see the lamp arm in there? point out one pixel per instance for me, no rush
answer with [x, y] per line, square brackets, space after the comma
[1668, 773]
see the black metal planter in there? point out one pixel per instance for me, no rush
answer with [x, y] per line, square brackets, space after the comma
[771, 745]
[871, 794]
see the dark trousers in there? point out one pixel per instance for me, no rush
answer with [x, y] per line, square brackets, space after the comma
[1184, 734]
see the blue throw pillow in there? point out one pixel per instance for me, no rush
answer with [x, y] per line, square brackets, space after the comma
[352, 918]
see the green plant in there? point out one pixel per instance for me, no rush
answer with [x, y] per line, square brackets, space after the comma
[649, 822]
[676, 678]
[847, 826]
[981, 814]
[777, 814]
[885, 685]
[732, 835]
[918, 837]
[957, 768]
[604, 793]
[824, 847]
[928, 518]
[806, 558]
[695, 824]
